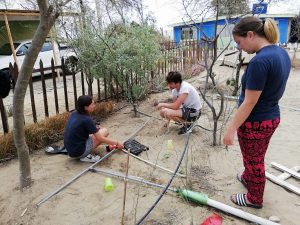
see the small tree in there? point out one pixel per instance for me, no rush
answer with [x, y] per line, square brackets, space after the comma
[123, 54]
[295, 36]
[48, 15]
[231, 7]
[200, 9]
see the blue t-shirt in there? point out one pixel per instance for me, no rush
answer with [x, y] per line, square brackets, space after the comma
[268, 72]
[77, 131]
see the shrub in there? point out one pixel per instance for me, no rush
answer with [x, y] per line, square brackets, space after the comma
[46, 132]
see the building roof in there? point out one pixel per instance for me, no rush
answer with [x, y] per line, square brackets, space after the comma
[19, 15]
[285, 15]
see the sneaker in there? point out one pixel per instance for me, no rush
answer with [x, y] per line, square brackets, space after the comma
[90, 158]
[184, 130]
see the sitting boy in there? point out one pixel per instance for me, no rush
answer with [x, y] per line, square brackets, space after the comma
[186, 103]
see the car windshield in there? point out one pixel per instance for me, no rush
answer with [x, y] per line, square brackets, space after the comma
[6, 50]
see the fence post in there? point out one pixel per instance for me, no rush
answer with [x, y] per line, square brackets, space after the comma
[74, 88]
[4, 117]
[44, 89]
[111, 86]
[32, 101]
[54, 86]
[184, 58]
[65, 85]
[105, 88]
[117, 89]
[99, 89]
[82, 82]
[13, 75]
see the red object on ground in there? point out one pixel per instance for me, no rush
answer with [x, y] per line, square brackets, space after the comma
[214, 219]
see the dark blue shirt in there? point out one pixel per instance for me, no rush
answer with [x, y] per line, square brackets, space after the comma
[268, 72]
[77, 131]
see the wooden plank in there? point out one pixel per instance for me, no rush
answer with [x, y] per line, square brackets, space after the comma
[4, 117]
[286, 175]
[44, 89]
[11, 42]
[18, 14]
[54, 86]
[54, 51]
[46, 69]
[285, 169]
[283, 183]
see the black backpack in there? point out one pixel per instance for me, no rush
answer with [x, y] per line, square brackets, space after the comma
[5, 83]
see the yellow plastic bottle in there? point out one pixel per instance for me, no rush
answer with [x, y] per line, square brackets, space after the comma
[170, 145]
[108, 186]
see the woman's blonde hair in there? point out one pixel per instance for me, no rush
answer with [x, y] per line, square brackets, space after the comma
[266, 28]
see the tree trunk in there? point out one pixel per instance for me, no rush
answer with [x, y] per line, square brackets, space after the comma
[237, 74]
[48, 16]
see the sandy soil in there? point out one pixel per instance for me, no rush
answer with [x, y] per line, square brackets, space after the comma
[211, 170]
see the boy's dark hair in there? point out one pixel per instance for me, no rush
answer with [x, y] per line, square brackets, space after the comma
[174, 76]
[83, 100]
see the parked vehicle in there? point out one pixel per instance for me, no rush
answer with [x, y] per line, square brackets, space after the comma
[46, 54]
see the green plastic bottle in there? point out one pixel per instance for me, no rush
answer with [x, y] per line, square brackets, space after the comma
[108, 186]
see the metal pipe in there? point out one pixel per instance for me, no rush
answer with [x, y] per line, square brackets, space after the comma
[154, 165]
[75, 178]
[133, 178]
[209, 202]
[86, 170]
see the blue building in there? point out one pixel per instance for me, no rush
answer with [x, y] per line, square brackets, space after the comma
[198, 30]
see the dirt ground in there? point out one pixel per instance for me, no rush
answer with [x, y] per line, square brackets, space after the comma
[210, 170]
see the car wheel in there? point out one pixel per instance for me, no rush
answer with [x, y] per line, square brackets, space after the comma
[71, 65]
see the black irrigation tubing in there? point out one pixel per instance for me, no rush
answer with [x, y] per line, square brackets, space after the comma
[170, 181]
[145, 114]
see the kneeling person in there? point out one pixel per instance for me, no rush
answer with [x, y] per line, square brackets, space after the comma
[82, 135]
[186, 105]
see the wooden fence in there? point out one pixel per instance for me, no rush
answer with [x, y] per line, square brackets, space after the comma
[176, 56]
[105, 89]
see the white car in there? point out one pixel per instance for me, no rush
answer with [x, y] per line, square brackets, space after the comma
[46, 54]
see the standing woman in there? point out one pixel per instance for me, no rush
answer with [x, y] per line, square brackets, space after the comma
[82, 135]
[258, 115]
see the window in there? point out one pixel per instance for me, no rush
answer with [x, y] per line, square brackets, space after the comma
[6, 50]
[47, 46]
[23, 49]
[225, 31]
[188, 33]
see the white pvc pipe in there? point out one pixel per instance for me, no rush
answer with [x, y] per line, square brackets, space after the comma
[286, 175]
[283, 183]
[152, 164]
[239, 213]
[285, 169]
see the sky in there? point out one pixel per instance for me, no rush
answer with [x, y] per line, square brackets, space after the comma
[171, 11]
[168, 12]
